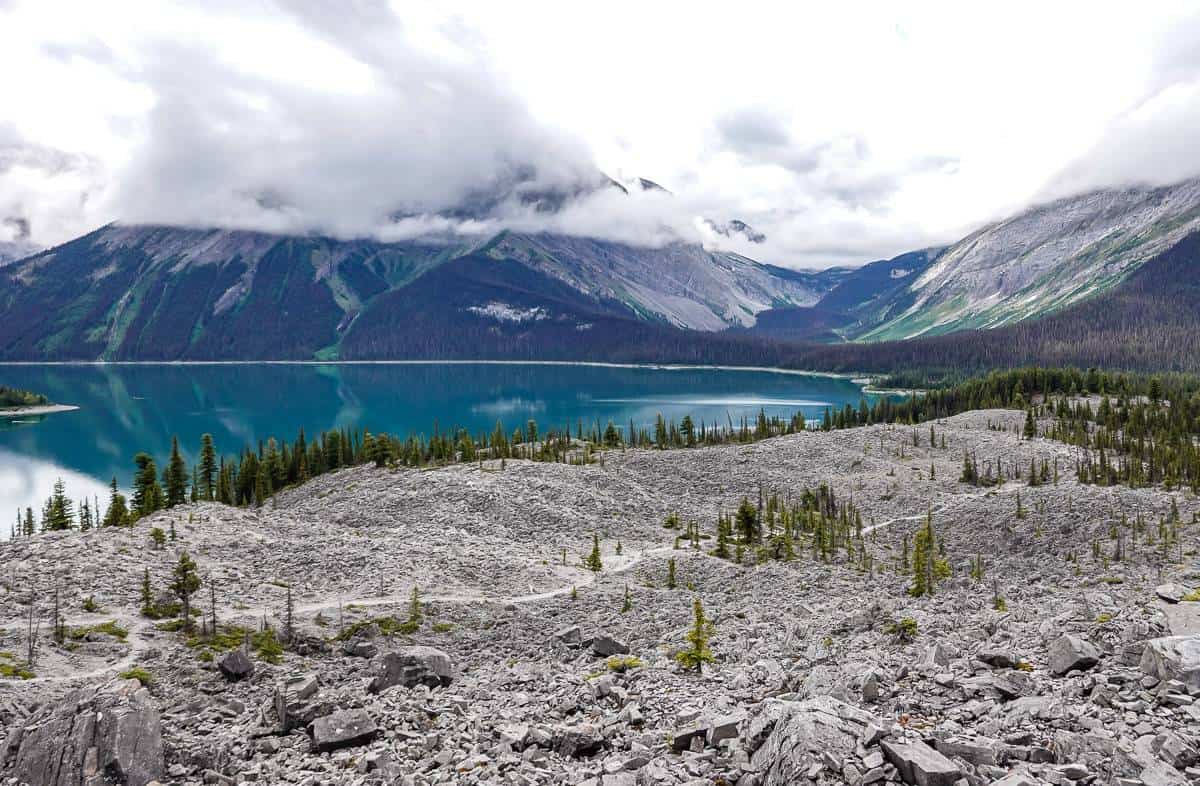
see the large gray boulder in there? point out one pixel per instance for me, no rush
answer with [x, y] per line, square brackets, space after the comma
[787, 738]
[99, 734]
[1071, 653]
[296, 702]
[236, 665]
[920, 764]
[411, 666]
[342, 729]
[1174, 658]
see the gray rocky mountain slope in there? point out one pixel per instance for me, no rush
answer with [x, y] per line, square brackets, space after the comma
[526, 668]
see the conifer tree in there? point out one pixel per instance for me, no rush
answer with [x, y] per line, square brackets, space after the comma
[185, 580]
[627, 604]
[671, 573]
[592, 562]
[147, 596]
[175, 477]
[147, 493]
[698, 637]
[59, 513]
[748, 528]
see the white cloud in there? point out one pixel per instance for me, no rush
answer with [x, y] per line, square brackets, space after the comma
[842, 133]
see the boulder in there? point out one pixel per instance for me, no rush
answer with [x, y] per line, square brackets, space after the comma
[572, 636]
[578, 741]
[1014, 684]
[409, 667]
[292, 701]
[997, 657]
[360, 647]
[99, 734]
[605, 646]
[236, 665]
[919, 764]
[788, 738]
[342, 729]
[1071, 653]
[1171, 592]
[1174, 658]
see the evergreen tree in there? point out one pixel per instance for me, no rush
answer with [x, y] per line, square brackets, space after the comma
[147, 595]
[698, 637]
[185, 580]
[117, 514]
[147, 493]
[175, 477]
[671, 573]
[59, 513]
[1030, 430]
[592, 562]
[627, 604]
[747, 523]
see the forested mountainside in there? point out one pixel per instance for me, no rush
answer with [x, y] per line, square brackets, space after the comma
[1149, 322]
[161, 293]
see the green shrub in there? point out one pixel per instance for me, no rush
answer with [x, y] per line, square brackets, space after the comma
[90, 605]
[623, 663]
[442, 627]
[139, 674]
[111, 628]
[904, 629]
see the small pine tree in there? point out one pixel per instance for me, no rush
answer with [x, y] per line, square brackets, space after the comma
[698, 637]
[593, 562]
[627, 605]
[147, 594]
[158, 537]
[671, 573]
[185, 580]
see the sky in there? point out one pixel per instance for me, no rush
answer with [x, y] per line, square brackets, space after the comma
[842, 132]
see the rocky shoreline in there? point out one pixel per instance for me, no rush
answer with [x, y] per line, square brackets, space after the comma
[1062, 648]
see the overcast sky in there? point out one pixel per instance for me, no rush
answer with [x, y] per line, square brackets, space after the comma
[844, 132]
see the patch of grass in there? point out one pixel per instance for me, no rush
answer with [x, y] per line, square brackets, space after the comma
[111, 628]
[1103, 617]
[1192, 597]
[206, 656]
[90, 605]
[388, 626]
[623, 663]
[442, 627]
[139, 674]
[13, 671]
[1113, 580]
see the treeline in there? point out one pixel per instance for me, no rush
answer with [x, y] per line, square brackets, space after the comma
[1143, 432]
[15, 397]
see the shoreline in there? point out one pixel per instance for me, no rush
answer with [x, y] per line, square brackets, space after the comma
[42, 409]
[858, 378]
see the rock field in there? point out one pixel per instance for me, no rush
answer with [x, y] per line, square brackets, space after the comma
[526, 669]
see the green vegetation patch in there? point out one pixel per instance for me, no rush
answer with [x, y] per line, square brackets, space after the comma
[139, 674]
[110, 628]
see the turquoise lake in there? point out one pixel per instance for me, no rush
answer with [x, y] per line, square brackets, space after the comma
[125, 409]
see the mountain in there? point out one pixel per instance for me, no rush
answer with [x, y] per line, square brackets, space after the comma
[164, 293]
[1146, 322]
[1037, 262]
[13, 250]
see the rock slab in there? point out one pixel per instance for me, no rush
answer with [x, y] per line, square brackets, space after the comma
[100, 734]
[236, 665]
[919, 764]
[411, 666]
[342, 729]
[1174, 658]
[1071, 653]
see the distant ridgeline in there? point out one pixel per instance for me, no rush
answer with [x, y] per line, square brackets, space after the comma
[1143, 432]
[12, 397]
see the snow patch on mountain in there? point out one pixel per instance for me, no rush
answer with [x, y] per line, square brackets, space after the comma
[503, 312]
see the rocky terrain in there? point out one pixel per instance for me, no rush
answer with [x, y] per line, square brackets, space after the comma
[1043, 658]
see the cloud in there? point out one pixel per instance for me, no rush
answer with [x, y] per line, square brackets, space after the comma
[1153, 141]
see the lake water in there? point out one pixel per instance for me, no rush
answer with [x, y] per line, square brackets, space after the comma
[125, 409]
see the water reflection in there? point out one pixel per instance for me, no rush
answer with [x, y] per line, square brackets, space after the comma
[129, 408]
